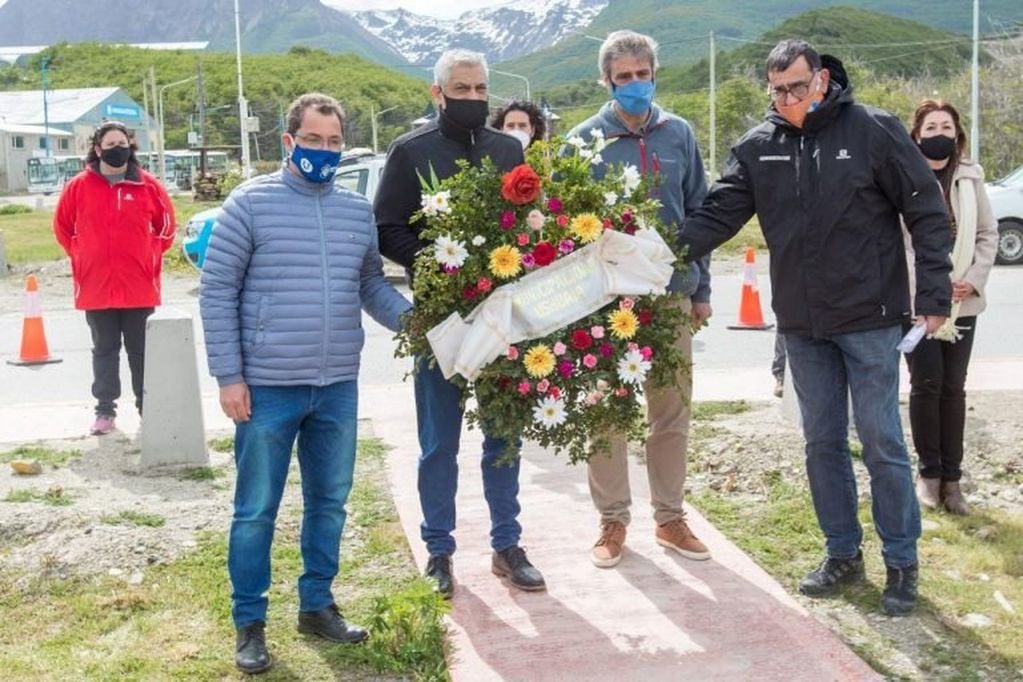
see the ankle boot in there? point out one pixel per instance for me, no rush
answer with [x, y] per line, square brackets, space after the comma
[928, 491]
[952, 498]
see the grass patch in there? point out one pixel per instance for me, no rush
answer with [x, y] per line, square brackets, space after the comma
[963, 564]
[14, 209]
[177, 625]
[710, 409]
[200, 474]
[28, 237]
[45, 456]
[130, 517]
[225, 444]
[55, 496]
[749, 235]
[373, 448]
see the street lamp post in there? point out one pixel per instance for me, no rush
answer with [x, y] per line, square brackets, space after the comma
[515, 75]
[43, 66]
[159, 111]
[243, 107]
[373, 122]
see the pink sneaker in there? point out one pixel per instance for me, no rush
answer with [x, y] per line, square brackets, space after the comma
[103, 425]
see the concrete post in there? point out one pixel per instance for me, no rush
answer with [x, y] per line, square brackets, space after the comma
[173, 433]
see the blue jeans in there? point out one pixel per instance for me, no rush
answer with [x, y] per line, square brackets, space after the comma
[439, 414]
[866, 365]
[324, 420]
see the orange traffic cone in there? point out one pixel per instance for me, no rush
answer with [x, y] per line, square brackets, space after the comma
[34, 350]
[750, 316]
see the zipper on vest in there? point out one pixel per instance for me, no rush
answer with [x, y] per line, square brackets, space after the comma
[642, 156]
[325, 284]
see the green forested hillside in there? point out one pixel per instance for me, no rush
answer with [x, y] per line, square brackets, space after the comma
[682, 28]
[271, 81]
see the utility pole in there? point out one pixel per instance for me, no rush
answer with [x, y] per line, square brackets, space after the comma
[145, 107]
[243, 107]
[373, 114]
[975, 87]
[44, 72]
[713, 111]
[201, 86]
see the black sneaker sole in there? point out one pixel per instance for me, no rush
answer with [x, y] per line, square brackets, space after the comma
[256, 670]
[896, 609]
[504, 575]
[831, 591]
[306, 630]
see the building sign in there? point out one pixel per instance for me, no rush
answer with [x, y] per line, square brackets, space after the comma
[122, 111]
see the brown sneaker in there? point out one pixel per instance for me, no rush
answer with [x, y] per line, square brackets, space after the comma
[677, 536]
[952, 498]
[928, 491]
[608, 550]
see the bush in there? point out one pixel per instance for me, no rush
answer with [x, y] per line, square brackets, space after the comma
[14, 209]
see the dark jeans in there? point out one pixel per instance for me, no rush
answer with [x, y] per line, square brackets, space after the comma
[824, 372]
[108, 327]
[937, 402]
[778, 364]
[323, 418]
[439, 413]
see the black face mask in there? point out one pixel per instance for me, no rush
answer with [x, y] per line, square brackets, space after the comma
[937, 148]
[115, 157]
[467, 113]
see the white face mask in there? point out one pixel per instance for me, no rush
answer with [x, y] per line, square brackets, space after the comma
[522, 136]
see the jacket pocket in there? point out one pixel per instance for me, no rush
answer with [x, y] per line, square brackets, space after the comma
[262, 313]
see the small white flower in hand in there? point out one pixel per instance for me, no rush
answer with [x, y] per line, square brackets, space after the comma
[549, 411]
[632, 368]
[479, 240]
[631, 179]
[450, 252]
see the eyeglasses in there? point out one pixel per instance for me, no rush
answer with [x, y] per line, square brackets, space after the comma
[316, 142]
[800, 90]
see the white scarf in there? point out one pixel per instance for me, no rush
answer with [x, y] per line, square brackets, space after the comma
[962, 252]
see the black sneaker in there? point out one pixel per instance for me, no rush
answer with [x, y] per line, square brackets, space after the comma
[828, 578]
[899, 595]
[512, 563]
[250, 654]
[329, 624]
[438, 569]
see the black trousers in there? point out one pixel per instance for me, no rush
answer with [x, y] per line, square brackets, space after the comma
[937, 402]
[108, 327]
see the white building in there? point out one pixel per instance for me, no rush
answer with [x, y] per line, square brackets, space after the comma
[19, 143]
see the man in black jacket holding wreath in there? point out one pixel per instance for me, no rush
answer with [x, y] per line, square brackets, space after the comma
[460, 92]
[828, 179]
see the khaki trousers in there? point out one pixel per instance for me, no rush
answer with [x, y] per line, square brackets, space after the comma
[668, 413]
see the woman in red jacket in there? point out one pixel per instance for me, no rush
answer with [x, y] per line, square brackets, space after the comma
[115, 221]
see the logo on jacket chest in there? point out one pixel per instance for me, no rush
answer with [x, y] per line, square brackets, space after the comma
[843, 155]
[129, 197]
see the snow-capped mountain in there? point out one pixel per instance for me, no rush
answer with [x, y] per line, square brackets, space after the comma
[501, 32]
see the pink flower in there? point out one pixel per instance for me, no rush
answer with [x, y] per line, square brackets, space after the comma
[507, 220]
[554, 205]
[562, 220]
[566, 246]
[559, 348]
[621, 392]
[555, 392]
[542, 386]
[626, 303]
[535, 219]
[522, 238]
[566, 368]
[597, 332]
[484, 285]
[593, 397]
[647, 352]
[590, 360]
[607, 350]
[528, 262]
[602, 385]
[513, 353]
[632, 345]
[524, 387]
[450, 269]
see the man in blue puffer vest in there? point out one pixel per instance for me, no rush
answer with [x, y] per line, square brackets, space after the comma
[291, 264]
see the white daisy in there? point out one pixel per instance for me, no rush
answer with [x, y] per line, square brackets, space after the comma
[576, 142]
[549, 411]
[450, 252]
[597, 159]
[436, 204]
[631, 179]
[610, 199]
[479, 240]
[632, 368]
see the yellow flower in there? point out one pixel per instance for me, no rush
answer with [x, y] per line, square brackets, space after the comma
[586, 227]
[539, 361]
[623, 323]
[505, 262]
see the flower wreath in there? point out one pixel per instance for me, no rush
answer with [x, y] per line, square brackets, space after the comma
[571, 388]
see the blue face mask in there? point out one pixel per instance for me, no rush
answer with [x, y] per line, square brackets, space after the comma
[315, 165]
[635, 97]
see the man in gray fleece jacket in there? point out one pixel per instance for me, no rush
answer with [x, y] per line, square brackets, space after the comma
[640, 134]
[291, 264]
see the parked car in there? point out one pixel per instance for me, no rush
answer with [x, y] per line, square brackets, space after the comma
[1006, 197]
[359, 173]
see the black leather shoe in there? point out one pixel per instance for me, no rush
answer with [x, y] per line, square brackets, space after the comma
[828, 578]
[438, 569]
[899, 596]
[512, 563]
[250, 654]
[329, 624]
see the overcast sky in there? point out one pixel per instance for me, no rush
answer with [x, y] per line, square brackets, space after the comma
[427, 7]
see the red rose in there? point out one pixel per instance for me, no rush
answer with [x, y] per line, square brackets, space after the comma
[544, 253]
[521, 185]
[483, 285]
[645, 317]
[581, 339]
[469, 292]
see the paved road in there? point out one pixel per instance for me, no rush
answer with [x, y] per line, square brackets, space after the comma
[54, 400]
